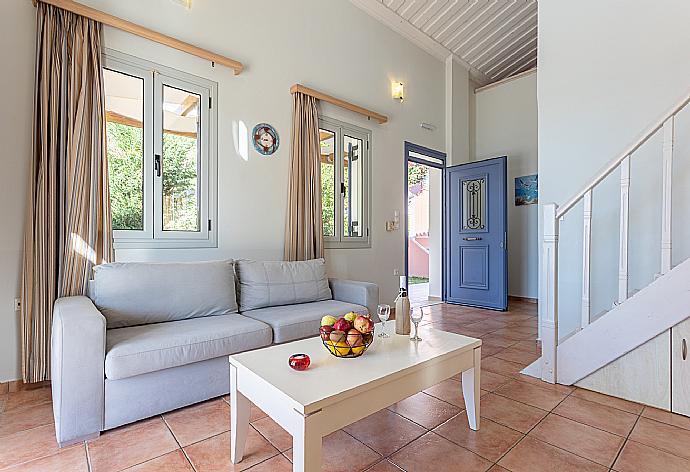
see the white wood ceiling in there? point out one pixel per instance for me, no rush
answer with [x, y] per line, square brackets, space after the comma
[495, 39]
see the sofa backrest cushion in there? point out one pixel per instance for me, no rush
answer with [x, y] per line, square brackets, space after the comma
[137, 293]
[263, 284]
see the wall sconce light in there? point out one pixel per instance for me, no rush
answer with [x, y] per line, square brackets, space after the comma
[398, 90]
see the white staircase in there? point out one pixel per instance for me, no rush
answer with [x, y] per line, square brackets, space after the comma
[634, 319]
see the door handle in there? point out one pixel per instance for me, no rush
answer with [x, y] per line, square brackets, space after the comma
[472, 239]
[157, 165]
[684, 349]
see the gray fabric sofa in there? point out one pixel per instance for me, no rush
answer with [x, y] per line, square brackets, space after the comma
[153, 337]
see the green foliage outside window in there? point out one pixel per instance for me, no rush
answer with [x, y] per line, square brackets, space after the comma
[416, 173]
[125, 168]
[327, 203]
[180, 183]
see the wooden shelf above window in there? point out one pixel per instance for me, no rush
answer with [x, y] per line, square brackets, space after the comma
[338, 102]
[133, 28]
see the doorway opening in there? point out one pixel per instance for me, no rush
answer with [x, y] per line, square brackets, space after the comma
[424, 225]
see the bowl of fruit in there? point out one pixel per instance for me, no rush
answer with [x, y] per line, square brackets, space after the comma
[348, 336]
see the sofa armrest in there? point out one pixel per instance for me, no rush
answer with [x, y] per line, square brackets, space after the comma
[360, 293]
[77, 369]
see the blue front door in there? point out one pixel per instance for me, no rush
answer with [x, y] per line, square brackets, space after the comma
[476, 234]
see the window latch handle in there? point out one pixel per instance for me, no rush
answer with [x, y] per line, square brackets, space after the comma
[157, 165]
[342, 188]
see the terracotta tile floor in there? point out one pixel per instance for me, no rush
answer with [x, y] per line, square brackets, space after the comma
[527, 425]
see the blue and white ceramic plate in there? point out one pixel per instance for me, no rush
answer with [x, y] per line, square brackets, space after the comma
[265, 139]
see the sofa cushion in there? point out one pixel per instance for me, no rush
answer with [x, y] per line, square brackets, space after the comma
[140, 349]
[263, 284]
[138, 293]
[292, 322]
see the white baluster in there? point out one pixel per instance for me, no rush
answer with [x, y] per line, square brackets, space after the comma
[666, 195]
[624, 229]
[586, 252]
[549, 281]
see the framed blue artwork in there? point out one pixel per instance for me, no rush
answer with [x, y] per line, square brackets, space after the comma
[526, 190]
[265, 139]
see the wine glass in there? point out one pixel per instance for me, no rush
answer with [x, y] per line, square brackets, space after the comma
[384, 311]
[416, 316]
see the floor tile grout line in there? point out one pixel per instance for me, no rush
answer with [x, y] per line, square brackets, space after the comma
[530, 430]
[189, 460]
[566, 450]
[161, 455]
[363, 443]
[604, 405]
[610, 406]
[627, 438]
[88, 456]
[493, 421]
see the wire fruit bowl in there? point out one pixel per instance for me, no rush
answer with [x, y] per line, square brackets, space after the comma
[346, 346]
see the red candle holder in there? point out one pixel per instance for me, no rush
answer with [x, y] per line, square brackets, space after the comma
[299, 361]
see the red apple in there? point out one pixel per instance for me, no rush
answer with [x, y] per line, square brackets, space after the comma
[342, 325]
[354, 338]
[325, 332]
[363, 324]
[337, 336]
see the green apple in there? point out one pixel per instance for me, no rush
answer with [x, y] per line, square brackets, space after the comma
[350, 316]
[328, 320]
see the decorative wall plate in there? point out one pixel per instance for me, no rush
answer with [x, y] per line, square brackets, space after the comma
[265, 139]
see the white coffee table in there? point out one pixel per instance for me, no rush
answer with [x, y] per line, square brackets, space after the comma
[334, 393]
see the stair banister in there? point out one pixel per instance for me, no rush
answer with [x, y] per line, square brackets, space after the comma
[549, 290]
[667, 181]
[613, 165]
[553, 214]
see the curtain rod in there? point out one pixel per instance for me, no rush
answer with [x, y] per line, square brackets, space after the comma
[133, 28]
[338, 102]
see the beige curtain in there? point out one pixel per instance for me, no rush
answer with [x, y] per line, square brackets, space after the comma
[304, 230]
[68, 220]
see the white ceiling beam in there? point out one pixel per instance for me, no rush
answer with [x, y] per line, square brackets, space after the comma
[517, 49]
[489, 28]
[449, 30]
[522, 22]
[424, 15]
[479, 19]
[499, 49]
[531, 53]
[458, 7]
[382, 13]
[411, 8]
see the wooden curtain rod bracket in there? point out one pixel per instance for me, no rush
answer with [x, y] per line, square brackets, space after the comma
[133, 28]
[338, 102]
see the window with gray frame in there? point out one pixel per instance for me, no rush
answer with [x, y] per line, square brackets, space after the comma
[345, 187]
[161, 149]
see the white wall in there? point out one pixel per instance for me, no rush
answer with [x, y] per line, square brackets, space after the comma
[505, 124]
[332, 46]
[16, 95]
[600, 85]
[458, 119]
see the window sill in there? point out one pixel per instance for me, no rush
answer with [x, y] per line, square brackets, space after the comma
[164, 243]
[366, 244]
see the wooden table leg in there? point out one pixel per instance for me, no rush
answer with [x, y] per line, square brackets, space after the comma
[239, 422]
[306, 447]
[471, 389]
